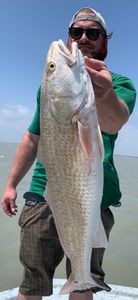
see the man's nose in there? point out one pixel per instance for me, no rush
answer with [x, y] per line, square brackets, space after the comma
[84, 37]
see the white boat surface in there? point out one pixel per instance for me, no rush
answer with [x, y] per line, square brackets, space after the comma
[117, 292]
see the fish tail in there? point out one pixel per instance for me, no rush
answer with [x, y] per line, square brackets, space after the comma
[71, 285]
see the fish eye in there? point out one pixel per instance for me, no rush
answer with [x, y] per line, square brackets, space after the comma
[51, 66]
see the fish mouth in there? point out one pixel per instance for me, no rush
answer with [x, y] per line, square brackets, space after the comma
[71, 56]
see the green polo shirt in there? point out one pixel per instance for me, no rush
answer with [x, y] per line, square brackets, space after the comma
[125, 90]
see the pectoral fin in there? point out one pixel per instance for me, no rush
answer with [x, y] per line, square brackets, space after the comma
[100, 237]
[85, 139]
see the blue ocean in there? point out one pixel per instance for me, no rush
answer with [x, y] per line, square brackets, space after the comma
[121, 257]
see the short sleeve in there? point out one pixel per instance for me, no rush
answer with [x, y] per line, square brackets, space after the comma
[124, 89]
[35, 124]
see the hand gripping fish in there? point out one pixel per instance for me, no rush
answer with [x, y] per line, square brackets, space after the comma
[72, 152]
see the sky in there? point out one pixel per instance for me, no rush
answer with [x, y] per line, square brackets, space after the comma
[27, 28]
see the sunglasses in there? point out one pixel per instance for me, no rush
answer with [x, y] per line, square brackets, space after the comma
[91, 33]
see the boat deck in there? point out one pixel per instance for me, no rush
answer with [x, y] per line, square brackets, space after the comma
[117, 292]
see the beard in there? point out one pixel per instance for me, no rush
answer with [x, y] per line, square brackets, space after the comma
[91, 53]
[99, 54]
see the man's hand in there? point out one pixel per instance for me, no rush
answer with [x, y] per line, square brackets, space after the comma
[8, 202]
[100, 76]
[24, 158]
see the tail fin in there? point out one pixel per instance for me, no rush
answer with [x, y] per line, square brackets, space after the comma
[70, 285]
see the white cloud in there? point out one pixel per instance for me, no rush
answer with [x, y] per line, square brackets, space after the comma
[14, 112]
[127, 142]
[14, 121]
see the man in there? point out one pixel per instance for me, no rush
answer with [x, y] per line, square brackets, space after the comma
[40, 251]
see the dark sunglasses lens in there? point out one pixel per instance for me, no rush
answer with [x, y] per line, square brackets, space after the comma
[76, 33]
[93, 34]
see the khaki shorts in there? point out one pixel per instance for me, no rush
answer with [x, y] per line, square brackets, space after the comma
[41, 252]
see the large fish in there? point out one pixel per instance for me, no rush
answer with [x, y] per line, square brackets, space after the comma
[71, 150]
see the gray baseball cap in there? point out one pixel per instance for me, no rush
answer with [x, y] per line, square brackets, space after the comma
[97, 17]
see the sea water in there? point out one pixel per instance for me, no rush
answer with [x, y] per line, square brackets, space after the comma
[121, 256]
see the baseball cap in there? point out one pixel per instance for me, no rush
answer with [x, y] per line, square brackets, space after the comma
[97, 17]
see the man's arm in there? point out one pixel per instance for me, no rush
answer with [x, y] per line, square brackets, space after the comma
[112, 111]
[24, 158]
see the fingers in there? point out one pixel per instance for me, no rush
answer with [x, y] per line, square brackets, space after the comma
[9, 207]
[9, 201]
[95, 63]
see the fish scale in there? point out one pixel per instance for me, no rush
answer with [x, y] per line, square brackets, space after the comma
[61, 155]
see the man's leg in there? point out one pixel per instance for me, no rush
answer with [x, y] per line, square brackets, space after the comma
[40, 252]
[24, 297]
[98, 253]
[73, 296]
[81, 296]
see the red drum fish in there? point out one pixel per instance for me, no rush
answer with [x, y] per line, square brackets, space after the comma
[72, 152]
